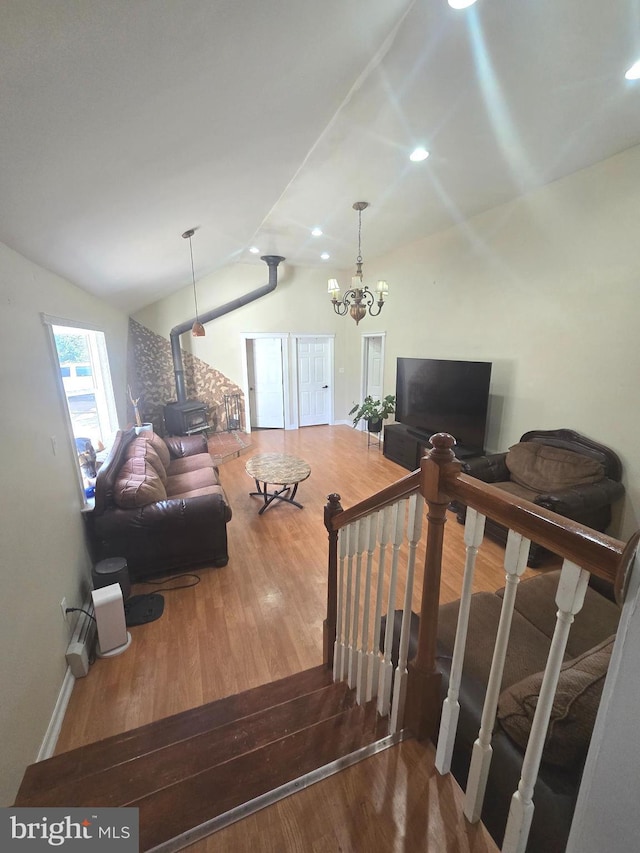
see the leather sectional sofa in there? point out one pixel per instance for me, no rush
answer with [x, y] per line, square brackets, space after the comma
[575, 706]
[159, 504]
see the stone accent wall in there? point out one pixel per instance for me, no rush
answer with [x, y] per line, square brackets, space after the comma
[150, 376]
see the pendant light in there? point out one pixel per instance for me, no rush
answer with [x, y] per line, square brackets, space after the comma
[197, 330]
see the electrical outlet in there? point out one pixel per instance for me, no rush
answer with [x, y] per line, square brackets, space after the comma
[63, 607]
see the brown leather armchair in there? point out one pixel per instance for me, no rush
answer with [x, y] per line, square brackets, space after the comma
[543, 468]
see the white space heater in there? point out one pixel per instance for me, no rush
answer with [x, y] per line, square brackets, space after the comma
[108, 608]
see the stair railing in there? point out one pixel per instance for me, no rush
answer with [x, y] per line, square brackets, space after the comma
[370, 546]
[349, 636]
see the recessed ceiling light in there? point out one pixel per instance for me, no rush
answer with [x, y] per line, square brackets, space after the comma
[418, 154]
[634, 72]
[461, 4]
[254, 250]
[325, 256]
[316, 232]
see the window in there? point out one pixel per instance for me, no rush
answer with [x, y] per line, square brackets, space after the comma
[86, 380]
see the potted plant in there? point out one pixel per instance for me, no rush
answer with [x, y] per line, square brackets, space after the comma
[373, 411]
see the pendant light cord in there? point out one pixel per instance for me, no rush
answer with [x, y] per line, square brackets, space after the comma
[193, 278]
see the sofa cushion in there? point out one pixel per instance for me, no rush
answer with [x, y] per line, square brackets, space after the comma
[159, 446]
[518, 491]
[184, 464]
[178, 484]
[142, 448]
[550, 469]
[528, 647]
[205, 490]
[138, 484]
[535, 601]
[574, 710]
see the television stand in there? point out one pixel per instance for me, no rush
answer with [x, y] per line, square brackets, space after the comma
[406, 447]
[466, 452]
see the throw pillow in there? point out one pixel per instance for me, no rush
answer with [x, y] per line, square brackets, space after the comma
[137, 484]
[574, 710]
[142, 448]
[550, 469]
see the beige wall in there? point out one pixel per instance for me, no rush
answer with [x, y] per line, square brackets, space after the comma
[43, 556]
[546, 287]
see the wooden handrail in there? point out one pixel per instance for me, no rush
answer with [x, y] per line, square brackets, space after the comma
[390, 494]
[598, 553]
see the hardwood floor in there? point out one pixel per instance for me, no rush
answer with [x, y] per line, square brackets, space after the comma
[260, 617]
[393, 802]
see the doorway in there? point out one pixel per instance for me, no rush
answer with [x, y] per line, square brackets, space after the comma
[288, 380]
[372, 384]
[314, 381]
[265, 377]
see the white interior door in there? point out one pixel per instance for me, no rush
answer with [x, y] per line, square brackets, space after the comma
[266, 383]
[374, 366]
[314, 381]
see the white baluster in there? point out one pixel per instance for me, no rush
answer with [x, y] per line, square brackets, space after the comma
[373, 673]
[569, 598]
[339, 657]
[473, 533]
[369, 532]
[414, 531]
[360, 537]
[352, 541]
[386, 668]
[515, 562]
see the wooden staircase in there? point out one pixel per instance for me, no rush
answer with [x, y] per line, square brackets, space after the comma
[189, 770]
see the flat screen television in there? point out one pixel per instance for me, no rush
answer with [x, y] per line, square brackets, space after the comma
[438, 395]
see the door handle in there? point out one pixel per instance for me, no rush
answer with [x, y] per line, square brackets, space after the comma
[325, 386]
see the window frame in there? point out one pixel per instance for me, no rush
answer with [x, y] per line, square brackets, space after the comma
[101, 374]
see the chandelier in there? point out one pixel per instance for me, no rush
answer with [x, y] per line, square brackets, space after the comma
[197, 330]
[358, 300]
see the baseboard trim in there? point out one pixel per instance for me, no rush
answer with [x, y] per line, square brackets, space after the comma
[271, 797]
[47, 748]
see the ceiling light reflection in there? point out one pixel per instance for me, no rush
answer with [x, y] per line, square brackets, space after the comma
[418, 155]
[634, 72]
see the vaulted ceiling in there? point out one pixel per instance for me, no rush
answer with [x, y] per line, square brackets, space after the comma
[124, 123]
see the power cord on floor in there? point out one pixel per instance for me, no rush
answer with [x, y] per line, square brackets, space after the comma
[173, 578]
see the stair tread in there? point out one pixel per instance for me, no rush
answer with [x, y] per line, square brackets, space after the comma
[213, 759]
[181, 807]
[44, 776]
[134, 778]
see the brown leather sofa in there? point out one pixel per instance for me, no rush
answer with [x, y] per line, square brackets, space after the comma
[159, 504]
[560, 470]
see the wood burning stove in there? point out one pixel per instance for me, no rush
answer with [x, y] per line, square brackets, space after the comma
[185, 418]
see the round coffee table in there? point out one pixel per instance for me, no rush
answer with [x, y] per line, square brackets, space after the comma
[279, 469]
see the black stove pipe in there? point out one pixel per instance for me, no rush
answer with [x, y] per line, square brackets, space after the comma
[272, 262]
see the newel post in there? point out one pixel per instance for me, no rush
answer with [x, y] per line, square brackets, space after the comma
[423, 688]
[329, 625]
